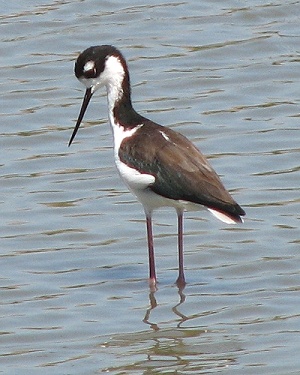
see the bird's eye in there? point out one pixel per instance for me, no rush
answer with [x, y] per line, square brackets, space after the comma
[89, 69]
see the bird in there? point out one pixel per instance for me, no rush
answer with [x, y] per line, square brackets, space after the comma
[160, 166]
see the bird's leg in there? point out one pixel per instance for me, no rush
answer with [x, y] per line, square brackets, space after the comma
[152, 273]
[181, 279]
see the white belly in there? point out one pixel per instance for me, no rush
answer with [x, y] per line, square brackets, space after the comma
[139, 185]
[132, 178]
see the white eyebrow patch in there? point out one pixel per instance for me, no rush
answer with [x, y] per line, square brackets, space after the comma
[90, 65]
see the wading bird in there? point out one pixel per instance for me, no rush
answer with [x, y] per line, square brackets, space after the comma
[159, 166]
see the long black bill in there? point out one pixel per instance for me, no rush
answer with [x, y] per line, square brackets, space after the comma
[85, 103]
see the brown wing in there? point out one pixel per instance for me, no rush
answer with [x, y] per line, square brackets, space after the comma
[181, 172]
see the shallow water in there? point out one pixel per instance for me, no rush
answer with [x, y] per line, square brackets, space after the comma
[74, 292]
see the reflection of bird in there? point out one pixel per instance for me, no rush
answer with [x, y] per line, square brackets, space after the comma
[160, 166]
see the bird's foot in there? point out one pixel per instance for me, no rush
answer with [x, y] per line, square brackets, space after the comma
[180, 282]
[152, 284]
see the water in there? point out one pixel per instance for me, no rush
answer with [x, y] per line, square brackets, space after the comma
[74, 295]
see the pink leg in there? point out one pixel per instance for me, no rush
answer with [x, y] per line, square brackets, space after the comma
[181, 279]
[152, 274]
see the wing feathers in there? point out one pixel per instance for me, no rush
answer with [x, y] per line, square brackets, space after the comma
[181, 172]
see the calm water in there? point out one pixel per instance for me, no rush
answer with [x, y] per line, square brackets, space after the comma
[74, 294]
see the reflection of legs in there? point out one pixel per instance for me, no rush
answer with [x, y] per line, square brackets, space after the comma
[152, 273]
[153, 304]
[181, 279]
[175, 310]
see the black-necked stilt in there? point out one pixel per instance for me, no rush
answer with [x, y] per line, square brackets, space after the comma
[160, 166]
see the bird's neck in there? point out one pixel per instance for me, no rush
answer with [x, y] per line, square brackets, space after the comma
[120, 109]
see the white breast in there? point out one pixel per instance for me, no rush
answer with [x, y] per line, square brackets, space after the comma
[132, 178]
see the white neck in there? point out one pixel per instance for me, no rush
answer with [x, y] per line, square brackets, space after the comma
[113, 76]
